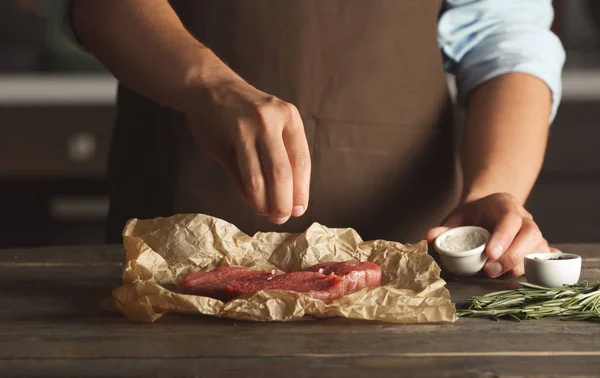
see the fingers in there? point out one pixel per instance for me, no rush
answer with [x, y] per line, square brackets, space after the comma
[273, 160]
[528, 240]
[280, 180]
[296, 145]
[542, 247]
[269, 144]
[252, 178]
[505, 231]
[286, 161]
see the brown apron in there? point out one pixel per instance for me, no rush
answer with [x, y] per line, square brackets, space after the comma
[368, 79]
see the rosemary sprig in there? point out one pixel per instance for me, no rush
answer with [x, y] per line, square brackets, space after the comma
[570, 302]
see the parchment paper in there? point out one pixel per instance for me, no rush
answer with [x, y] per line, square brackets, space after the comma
[159, 252]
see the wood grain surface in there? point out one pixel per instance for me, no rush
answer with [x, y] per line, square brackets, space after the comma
[51, 325]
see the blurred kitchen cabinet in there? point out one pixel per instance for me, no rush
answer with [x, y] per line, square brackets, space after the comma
[55, 133]
[51, 211]
[53, 188]
[55, 141]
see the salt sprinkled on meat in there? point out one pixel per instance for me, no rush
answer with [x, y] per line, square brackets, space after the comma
[326, 281]
[355, 274]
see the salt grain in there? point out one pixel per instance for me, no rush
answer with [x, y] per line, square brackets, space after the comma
[459, 243]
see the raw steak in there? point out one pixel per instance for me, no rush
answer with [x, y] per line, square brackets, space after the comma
[356, 275]
[325, 281]
[214, 283]
[317, 285]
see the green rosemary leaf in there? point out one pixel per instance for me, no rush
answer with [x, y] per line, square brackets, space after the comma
[570, 302]
[514, 317]
[533, 286]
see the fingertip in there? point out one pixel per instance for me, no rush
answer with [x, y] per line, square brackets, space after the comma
[494, 250]
[279, 221]
[493, 269]
[261, 210]
[433, 233]
[298, 211]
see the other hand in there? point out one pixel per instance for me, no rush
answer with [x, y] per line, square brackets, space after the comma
[514, 232]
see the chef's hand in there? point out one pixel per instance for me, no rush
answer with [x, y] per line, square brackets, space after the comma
[259, 140]
[514, 232]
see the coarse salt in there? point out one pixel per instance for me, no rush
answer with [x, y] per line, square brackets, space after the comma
[459, 243]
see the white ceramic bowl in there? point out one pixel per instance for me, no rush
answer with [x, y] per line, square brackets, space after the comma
[462, 262]
[540, 270]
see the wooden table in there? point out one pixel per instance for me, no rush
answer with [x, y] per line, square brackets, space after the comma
[51, 325]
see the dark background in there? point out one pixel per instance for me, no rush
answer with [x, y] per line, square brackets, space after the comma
[57, 110]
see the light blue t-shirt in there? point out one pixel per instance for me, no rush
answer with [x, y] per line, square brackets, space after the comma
[482, 39]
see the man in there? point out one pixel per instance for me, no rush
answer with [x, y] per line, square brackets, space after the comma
[344, 100]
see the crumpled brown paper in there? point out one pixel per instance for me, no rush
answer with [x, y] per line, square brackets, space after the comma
[160, 251]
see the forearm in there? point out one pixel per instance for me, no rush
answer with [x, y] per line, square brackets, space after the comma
[505, 136]
[145, 45]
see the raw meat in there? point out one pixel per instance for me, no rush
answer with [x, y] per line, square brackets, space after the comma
[356, 275]
[317, 285]
[327, 281]
[214, 283]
